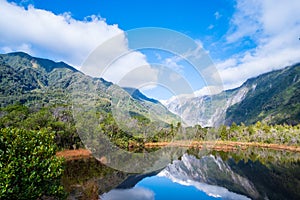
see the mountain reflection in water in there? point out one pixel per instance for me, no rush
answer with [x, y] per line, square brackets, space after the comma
[219, 175]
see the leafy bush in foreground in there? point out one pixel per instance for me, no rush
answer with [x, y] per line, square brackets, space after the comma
[28, 166]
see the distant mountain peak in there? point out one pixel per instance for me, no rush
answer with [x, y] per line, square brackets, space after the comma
[47, 64]
[138, 95]
[20, 53]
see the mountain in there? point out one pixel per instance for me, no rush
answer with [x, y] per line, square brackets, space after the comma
[154, 106]
[208, 110]
[38, 82]
[273, 97]
[136, 94]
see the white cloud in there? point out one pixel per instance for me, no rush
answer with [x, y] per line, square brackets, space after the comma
[210, 27]
[133, 71]
[245, 21]
[173, 63]
[115, 62]
[227, 63]
[208, 90]
[197, 53]
[60, 37]
[217, 15]
[274, 27]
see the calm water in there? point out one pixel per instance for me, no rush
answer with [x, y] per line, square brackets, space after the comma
[250, 174]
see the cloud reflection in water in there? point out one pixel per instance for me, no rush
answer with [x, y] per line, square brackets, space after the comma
[137, 193]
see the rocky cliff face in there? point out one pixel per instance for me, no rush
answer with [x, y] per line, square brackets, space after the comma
[207, 111]
[273, 97]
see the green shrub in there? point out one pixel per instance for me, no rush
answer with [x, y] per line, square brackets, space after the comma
[28, 166]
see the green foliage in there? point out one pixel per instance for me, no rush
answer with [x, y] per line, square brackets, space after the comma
[223, 132]
[12, 115]
[260, 132]
[201, 133]
[56, 118]
[273, 97]
[28, 166]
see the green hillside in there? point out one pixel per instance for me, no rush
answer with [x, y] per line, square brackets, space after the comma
[39, 93]
[38, 82]
[273, 97]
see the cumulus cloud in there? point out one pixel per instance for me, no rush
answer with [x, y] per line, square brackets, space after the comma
[138, 73]
[60, 37]
[273, 27]
[115, 62]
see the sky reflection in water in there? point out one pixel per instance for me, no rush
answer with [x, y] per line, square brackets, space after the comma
[160, 188]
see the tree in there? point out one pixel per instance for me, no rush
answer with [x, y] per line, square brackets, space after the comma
[28, 166]
[12, 115]
[223, 132]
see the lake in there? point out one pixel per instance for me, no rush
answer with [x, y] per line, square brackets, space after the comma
[253, 173]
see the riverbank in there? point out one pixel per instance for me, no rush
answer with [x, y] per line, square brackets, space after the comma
[210, 145]
[222, 145]
[75, 154]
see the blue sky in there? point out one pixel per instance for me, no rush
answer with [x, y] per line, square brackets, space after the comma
[244, 38]
[206, 20]
[189, 16]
